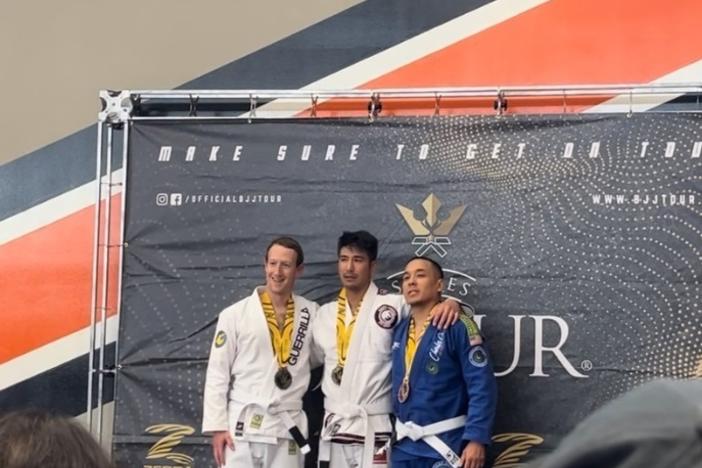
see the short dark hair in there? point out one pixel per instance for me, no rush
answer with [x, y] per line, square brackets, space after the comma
[434, 263]
[33, 438]
[290, 243]
[361, 240]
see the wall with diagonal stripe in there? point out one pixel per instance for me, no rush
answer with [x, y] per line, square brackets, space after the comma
[55, 58]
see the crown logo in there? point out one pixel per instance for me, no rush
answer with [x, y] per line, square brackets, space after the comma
[431, 233]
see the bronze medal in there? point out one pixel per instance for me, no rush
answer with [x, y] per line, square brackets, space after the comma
[282, 378]
[403, 391]
[336, 374]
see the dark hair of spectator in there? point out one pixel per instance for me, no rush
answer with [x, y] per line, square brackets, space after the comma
[360, 240]
[38, 439]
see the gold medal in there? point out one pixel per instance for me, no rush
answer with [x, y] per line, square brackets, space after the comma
[336, 374]
[281, 338]
[343, 334]
[411, 346]
[283, 378]
[403, 391]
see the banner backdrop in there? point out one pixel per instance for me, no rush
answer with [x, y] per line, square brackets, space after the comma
[575, 238]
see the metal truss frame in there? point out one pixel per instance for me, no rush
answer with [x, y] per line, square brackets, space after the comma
[121, 108]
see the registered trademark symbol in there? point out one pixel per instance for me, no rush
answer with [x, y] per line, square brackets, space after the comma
[586, 365]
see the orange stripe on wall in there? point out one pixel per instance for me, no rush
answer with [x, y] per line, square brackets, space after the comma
[566, 42]
[46, 282]
[559, 42]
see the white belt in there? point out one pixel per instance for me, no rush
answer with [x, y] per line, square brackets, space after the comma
[429, 433]
[346, 410]
[279, 409]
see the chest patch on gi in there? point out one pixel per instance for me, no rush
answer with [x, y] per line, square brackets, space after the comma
[478, 357]
[220, 339]
[386, 316]
[432, 367]
[437, 346]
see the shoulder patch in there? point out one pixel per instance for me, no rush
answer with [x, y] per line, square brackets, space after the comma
[220, 339]
[467, 309]
[472, 329]
[478, 357]
[386, 316]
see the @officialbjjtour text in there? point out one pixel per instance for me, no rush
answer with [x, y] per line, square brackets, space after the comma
[178, 199]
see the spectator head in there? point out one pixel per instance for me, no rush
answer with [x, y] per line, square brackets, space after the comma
[38, 439]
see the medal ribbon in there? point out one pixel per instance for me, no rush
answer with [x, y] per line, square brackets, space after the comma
[343, 331]
[281, 338]
[413, 344]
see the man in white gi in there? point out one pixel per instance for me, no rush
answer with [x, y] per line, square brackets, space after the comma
[259, 369]
[353, 337]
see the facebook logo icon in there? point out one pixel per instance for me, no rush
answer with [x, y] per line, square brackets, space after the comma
[176, 199]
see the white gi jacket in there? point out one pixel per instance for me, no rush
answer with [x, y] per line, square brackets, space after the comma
[361, 404]
[240, 394]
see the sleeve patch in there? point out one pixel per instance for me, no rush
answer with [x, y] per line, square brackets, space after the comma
[220, 339]
[386, 316]
[478, 357]
[467, 309]
[473, 331]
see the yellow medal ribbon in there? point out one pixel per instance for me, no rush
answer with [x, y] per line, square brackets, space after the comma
[281, 338]
[413, 344]
[343, 331]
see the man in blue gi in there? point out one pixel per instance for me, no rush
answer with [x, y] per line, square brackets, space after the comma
[444, 389]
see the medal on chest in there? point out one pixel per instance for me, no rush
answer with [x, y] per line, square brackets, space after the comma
[343, 335]
[413, 340]
[281, 338]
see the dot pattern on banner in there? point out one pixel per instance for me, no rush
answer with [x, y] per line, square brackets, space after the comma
[639, 261]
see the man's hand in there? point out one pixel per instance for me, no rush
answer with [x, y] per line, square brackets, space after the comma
[445, 314]
[473, 455]
[221, 440]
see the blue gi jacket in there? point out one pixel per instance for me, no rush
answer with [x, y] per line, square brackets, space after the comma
[450, 377]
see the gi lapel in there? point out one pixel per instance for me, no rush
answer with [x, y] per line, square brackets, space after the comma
[260, 328]
[357, 341]
[421, 356]
[300, 335]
